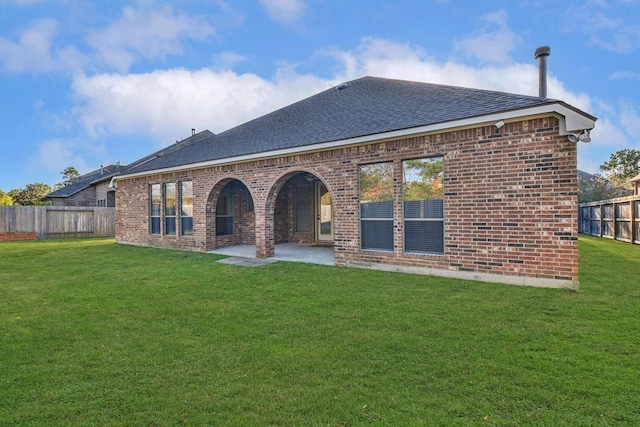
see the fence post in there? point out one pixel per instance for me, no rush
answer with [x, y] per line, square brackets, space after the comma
[615, 221]
[633, 221]
[601, 218]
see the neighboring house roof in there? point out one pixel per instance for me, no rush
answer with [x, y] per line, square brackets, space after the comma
[361, 110]
[635, 178]
[585, 175]
[85, 181]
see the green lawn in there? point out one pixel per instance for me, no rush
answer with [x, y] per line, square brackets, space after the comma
[97, 334]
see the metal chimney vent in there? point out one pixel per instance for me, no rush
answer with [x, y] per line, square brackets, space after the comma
[541, 54]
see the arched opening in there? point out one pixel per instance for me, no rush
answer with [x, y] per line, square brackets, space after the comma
[299, 220]
[230, 215]
[303, 210]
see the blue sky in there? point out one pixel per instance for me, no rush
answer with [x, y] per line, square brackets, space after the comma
[89, 83]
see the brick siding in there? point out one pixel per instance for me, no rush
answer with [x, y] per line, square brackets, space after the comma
[17, 236]
[510, 201]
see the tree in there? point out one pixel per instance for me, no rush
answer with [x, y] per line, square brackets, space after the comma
[423, 179]
[622, 166]
[69, 174]
[376, 182]
[5, 199]
[596, 187]
[31, 195]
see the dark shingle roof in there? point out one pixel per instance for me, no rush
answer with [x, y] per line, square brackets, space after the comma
[362, 107]
[585, 175]
[86, 180]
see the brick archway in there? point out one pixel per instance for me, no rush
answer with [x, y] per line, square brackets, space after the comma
[289, 212]
[230, 221]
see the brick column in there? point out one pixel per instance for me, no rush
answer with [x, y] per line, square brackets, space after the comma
[265, 246]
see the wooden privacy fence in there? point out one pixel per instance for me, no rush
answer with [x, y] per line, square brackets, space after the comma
[58, 221]
[615, 218]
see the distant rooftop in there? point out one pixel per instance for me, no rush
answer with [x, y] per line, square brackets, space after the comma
[84, 181]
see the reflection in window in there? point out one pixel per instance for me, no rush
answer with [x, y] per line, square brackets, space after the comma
[155, 206]
[423, 193]
[376, 206]
[186, 208]
[224, 212]
[170, 209]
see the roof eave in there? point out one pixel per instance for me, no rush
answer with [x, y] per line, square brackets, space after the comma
[572, 120]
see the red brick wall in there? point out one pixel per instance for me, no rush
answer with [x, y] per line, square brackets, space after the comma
[18, 236]
[510, 200]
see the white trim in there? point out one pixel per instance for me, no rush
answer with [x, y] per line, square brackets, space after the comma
[570, 122]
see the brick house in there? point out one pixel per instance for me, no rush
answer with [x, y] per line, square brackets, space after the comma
[395, 175]
[90, 189]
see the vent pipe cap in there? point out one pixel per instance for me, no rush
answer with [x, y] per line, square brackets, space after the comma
[542, 51]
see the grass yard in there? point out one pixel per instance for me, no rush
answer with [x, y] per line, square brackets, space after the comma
[96, 334]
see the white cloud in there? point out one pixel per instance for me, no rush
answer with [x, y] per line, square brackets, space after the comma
[609, 134]
[613, 34]
[493, 42]
[615, 130]
[607, 137]
[285, 11]
[152, 33]
[34, 51]
[227, 60]
[167, 104]
[622, 75]
[625, 39]
[384, 58]
[629, 118]
[56, 154]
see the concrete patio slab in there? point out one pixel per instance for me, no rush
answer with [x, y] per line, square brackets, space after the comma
[246, 262]
[294, 252]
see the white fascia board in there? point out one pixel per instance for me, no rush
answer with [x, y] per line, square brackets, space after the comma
[570, 122]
